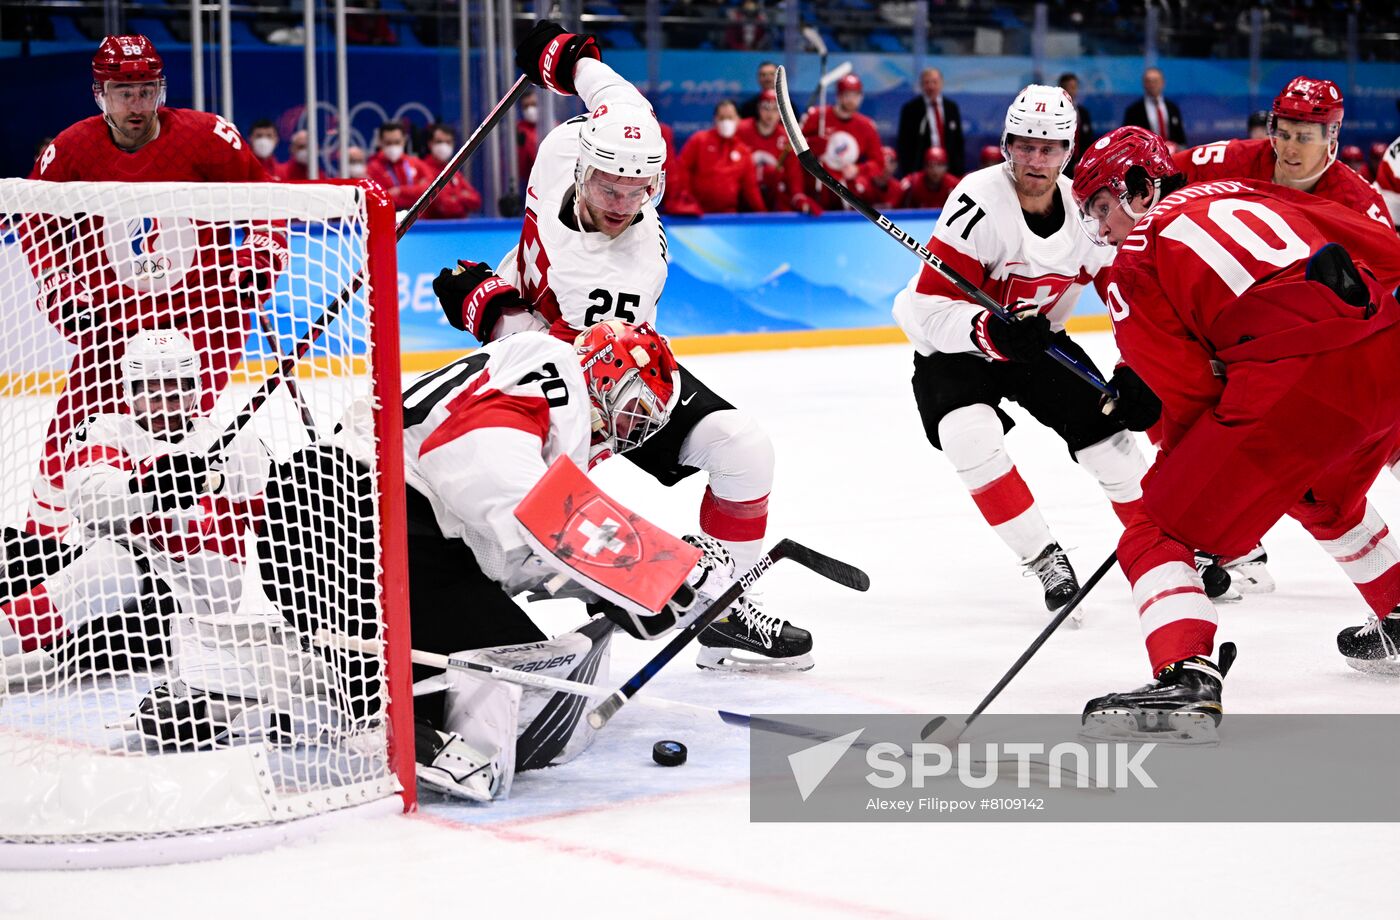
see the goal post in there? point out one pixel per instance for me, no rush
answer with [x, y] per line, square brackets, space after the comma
[163, 692]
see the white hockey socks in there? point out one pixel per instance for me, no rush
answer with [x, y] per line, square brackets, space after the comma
[1118, 465]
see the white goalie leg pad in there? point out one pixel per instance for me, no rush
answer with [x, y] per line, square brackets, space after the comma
[475, 757]
[1118, 465]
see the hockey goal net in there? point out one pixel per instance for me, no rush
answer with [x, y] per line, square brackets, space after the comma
[184, 540]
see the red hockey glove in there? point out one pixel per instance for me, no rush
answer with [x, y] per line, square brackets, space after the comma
[67, 303]
[1024, 338]
[547, 55]
[1136, 407]
[473, 297]
[806, 204]
[257, 263]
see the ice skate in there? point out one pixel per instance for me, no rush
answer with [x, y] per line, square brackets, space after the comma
[1373, 647]
[1183, 705]
[747, 639]
[1249, 574]
[1216, 579]
[1057, 577]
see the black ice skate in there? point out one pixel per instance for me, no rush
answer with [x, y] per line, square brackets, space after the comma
[1181, 705]
[747, 639]
[1216, 579]
[1373, 647]
[1057, 577]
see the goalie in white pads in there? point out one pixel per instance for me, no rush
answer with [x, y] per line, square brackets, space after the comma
[479, 434]
[592, 249]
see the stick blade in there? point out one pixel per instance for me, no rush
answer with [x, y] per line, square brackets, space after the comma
[791, 126]
[843, 573]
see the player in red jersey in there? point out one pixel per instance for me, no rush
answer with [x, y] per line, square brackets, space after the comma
[780, 175]
[847, 142]
[1300, 151]
[100, 283]
[930, 188]
[1273, 356]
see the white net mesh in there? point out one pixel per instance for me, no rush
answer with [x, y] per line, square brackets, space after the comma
[176, 602]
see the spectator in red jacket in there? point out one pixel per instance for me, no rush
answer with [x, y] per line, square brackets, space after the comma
[262, 137]
[990, 156]
[883, 190]
[779, 174]
[1352, 156]
[458, 198]
[677, 200]
[930, 188]
[846, 141]
[399, 172]
[718, 167]
[527, 136]
[295, 169]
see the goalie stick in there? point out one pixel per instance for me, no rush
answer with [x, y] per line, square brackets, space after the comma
[287, 365]
[809, 161]
[834, 569]
[937, 722]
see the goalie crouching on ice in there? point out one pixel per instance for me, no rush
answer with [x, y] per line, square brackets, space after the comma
[480, 434]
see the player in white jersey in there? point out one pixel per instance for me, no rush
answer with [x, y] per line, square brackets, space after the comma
[592, 249]
[1010, 229]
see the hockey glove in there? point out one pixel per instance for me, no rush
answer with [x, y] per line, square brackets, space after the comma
[175, 480]
[474, 297]
[711, 575]
[1136, 407]
[67, 303]
[547, 55]
[1024, 338]
[257, 263]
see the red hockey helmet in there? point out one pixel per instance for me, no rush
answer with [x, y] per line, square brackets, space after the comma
[126, 59]
[990, 155]
[768, 95]
[1110, 160]
[940, 156]
[1352, 154]
[1306, 99]
[850, 83]
[630, 373]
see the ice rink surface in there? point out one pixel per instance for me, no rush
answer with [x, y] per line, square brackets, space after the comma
[613, 835]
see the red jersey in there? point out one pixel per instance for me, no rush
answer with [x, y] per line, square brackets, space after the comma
[880, 192]
[1215, 272]
[857, 131]
[719, 172]
[779, 172]
[270, 164]
[456, 199]
[924, 194]
[292, 171]
[403, 180]
[1246, 159]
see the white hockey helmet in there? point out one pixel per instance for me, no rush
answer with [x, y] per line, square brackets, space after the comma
[622, 139]
[1042, 113]
[161, 354]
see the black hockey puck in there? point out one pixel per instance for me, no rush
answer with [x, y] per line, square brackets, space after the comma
[668, 753]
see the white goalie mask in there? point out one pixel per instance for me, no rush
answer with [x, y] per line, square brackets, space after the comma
[160, 378]
[1041, 113]
[621, 160]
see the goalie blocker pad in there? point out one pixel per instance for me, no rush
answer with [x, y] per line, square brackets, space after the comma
[583, 532]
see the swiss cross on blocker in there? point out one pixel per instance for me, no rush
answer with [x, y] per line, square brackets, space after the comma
[601, 544]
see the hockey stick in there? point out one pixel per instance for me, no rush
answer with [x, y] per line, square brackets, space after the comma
[839, 572]
[813, 165]
[332, 310]
[814, 38]
[307, 419]
[1040, 640]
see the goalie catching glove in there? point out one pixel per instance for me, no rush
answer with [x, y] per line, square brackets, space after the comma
[547, 55]
[474, 297]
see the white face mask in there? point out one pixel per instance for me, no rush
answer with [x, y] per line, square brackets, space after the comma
[392, 152]
[530, 113]
[355, 170]
[263, 147]
[443, 151]
[302, 156]
[727, 126]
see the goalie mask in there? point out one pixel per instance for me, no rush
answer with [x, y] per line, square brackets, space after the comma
[160, 375]
[631, 378]
[620, 166]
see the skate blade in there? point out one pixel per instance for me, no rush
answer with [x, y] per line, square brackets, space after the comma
[728, 659]
[1076, 619]
[1232, 595]
[1251, 578]
[1376, 667]
[1182, 727]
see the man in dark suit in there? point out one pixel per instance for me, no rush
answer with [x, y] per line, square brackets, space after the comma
[1154, 111]
[1084, 135]
[767, 79]
[930, 120]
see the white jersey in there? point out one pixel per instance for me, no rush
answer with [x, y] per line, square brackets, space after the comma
[481, 431]
[575, 278]
[198, 551]
[982, 234]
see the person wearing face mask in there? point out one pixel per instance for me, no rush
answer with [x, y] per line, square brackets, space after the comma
[847, 142]
[458, 198]
[393, 167]
[719, 168]
[355, 163]
[527, 134]
[295, 169]
[262, 137]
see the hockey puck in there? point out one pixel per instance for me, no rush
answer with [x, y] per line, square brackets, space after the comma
[668, 753]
